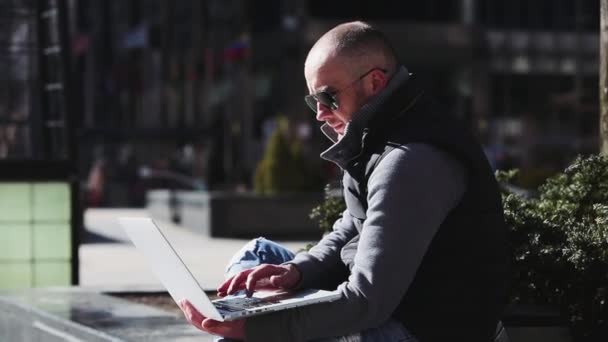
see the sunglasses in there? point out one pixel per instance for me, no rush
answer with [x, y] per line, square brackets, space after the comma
[328, 98]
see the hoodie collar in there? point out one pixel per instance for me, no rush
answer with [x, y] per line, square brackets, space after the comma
[349, 147]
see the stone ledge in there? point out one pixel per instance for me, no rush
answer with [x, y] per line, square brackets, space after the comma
[75, 314]
[238, 215]
[71, 314]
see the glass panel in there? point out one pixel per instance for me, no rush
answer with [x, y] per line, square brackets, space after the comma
[51, 202]
[14, 96]
[15, 275]
[15, 141]
[53, 65]
[16, 202]
[15, 244]
[52, 273]
[17, 74]
[52, 241]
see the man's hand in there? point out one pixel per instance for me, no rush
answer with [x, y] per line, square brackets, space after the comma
[263, 276]
[232, 329]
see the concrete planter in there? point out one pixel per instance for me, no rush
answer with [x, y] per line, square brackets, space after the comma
[532, 323]
[226, 214]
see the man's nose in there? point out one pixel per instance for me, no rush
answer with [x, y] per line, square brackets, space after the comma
[323, 112]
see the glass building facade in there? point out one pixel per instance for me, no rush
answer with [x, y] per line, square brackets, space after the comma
[39, 212]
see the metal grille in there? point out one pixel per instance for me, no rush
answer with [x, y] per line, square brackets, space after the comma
[33, 98]
[17, 73]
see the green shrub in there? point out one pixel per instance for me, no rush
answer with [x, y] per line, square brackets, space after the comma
[283, 167]
[328, 211]
[560, 243]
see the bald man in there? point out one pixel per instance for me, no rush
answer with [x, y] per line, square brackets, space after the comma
[420, 252]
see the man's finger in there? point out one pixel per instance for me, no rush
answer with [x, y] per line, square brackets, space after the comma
[258, 274]
[233, 329]
[238, 282]
[192, 315]
[278, 280]
[212, 326]
[216, 328]
[224, 286]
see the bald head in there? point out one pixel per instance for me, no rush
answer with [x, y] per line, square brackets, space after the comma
[355, 45]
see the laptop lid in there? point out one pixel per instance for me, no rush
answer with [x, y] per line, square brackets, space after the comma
[167, 265]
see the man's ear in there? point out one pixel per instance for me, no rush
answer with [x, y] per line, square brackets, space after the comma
[378, 81]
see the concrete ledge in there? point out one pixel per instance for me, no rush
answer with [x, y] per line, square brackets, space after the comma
[74, 315]
[532, 323]
[243, 215]
[278, 216]
[70, 314]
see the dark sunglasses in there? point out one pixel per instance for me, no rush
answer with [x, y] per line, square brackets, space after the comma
[327, 98]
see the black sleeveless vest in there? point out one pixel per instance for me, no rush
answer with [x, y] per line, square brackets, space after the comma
[459, 290]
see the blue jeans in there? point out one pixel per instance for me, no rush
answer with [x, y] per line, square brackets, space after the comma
[261, 251]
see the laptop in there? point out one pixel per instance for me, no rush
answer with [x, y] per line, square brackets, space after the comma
[181, 284]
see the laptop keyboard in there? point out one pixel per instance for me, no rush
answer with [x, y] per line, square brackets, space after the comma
[242, 303]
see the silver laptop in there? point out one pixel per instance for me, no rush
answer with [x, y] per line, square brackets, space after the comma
[181, 284]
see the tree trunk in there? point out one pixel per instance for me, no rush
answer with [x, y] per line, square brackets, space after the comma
[604, 77]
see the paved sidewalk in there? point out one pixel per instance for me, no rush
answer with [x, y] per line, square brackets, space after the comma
[110, 262]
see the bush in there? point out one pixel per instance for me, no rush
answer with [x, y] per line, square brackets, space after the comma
[560, 243]
[283, 167]
[329, 210]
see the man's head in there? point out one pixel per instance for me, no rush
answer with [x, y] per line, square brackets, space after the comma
[346, 67]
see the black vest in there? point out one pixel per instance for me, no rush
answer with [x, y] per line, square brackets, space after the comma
[459, 290]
